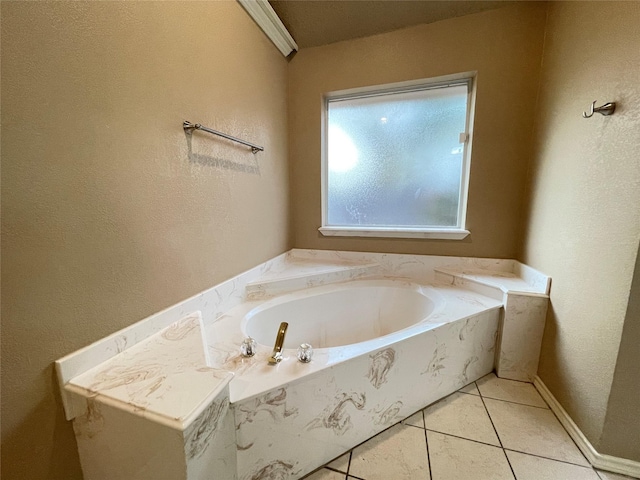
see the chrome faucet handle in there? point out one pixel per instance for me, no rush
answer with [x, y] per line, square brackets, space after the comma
[305, 353]
[248, 347]
[276, 355]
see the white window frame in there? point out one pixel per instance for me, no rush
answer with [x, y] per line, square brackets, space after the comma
[449, 233]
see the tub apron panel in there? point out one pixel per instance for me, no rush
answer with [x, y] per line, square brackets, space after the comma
[317, 419]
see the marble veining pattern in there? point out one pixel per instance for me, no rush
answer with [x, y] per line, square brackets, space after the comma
[336, 417]
[150, 376]
[317, 410]
[212, 303]
[337, 409]
[92, 422]
[167, 374]
[199, 433]
[275, 470]
[437, 358]
[381, 363]
[295, 271]
[389, 415]
[273, 403]
[114, 443]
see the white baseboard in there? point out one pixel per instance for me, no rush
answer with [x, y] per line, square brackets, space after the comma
[598, 460]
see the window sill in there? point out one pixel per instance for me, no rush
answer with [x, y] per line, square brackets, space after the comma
[390, 232]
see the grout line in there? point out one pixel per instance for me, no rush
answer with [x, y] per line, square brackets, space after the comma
[414, 426]
[463, 438]
[417, 411]
[468, 384]
[491, 420]
[374, 436]
[426, 440]
[549, 458]
[467, 393]
[497, 435]
[509, 401]
[324, 467]
[508, 379]
[504, 452]
[349, 462]
[515, 403]
[334, 470]
[525, 405]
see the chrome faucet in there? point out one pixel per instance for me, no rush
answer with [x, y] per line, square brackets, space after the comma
[276, 355]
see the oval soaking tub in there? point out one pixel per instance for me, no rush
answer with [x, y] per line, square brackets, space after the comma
[341, 314]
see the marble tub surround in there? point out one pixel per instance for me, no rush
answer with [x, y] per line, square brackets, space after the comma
[523, 290]
[300, 269]
[510, 276]
[115, 443]
[507, 275]
[254, 375]
[525, 294]
[165, 377]
[156, 410]
[521, 336]
[320, 416]
[348, 393]
[316, 410]
[212, 303]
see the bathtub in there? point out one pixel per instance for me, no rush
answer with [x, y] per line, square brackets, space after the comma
[171, 396]
[343, 314]
[383, 349]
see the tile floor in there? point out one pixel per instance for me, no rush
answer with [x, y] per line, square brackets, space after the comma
[492, 429]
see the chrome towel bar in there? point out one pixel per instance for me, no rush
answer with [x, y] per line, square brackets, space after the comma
[190, 127]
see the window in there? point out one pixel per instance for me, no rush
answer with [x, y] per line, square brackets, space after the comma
[396, 160]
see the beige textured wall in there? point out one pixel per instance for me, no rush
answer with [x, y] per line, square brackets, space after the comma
[504, 46]
[584, 226]
[622, 423]
[106, 218]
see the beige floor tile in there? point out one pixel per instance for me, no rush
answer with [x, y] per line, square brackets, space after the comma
[341, 463]
[461, 415]
[471, 388]
[399, 453]
[454, 458]
[527, 467]
[416, 420]
[326, 474]
[533, 430]
[612, 476]
[502, 389]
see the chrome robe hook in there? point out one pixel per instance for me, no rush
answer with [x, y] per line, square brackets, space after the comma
[606, 109]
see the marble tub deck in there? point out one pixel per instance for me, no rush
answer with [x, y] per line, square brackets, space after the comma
[181, 371]
[254, 375]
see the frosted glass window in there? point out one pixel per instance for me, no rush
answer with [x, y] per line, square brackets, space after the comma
[396, 159]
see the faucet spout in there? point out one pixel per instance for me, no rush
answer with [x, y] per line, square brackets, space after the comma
[276, 355]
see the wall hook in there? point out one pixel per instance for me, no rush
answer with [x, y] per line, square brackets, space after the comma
[606, 109]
